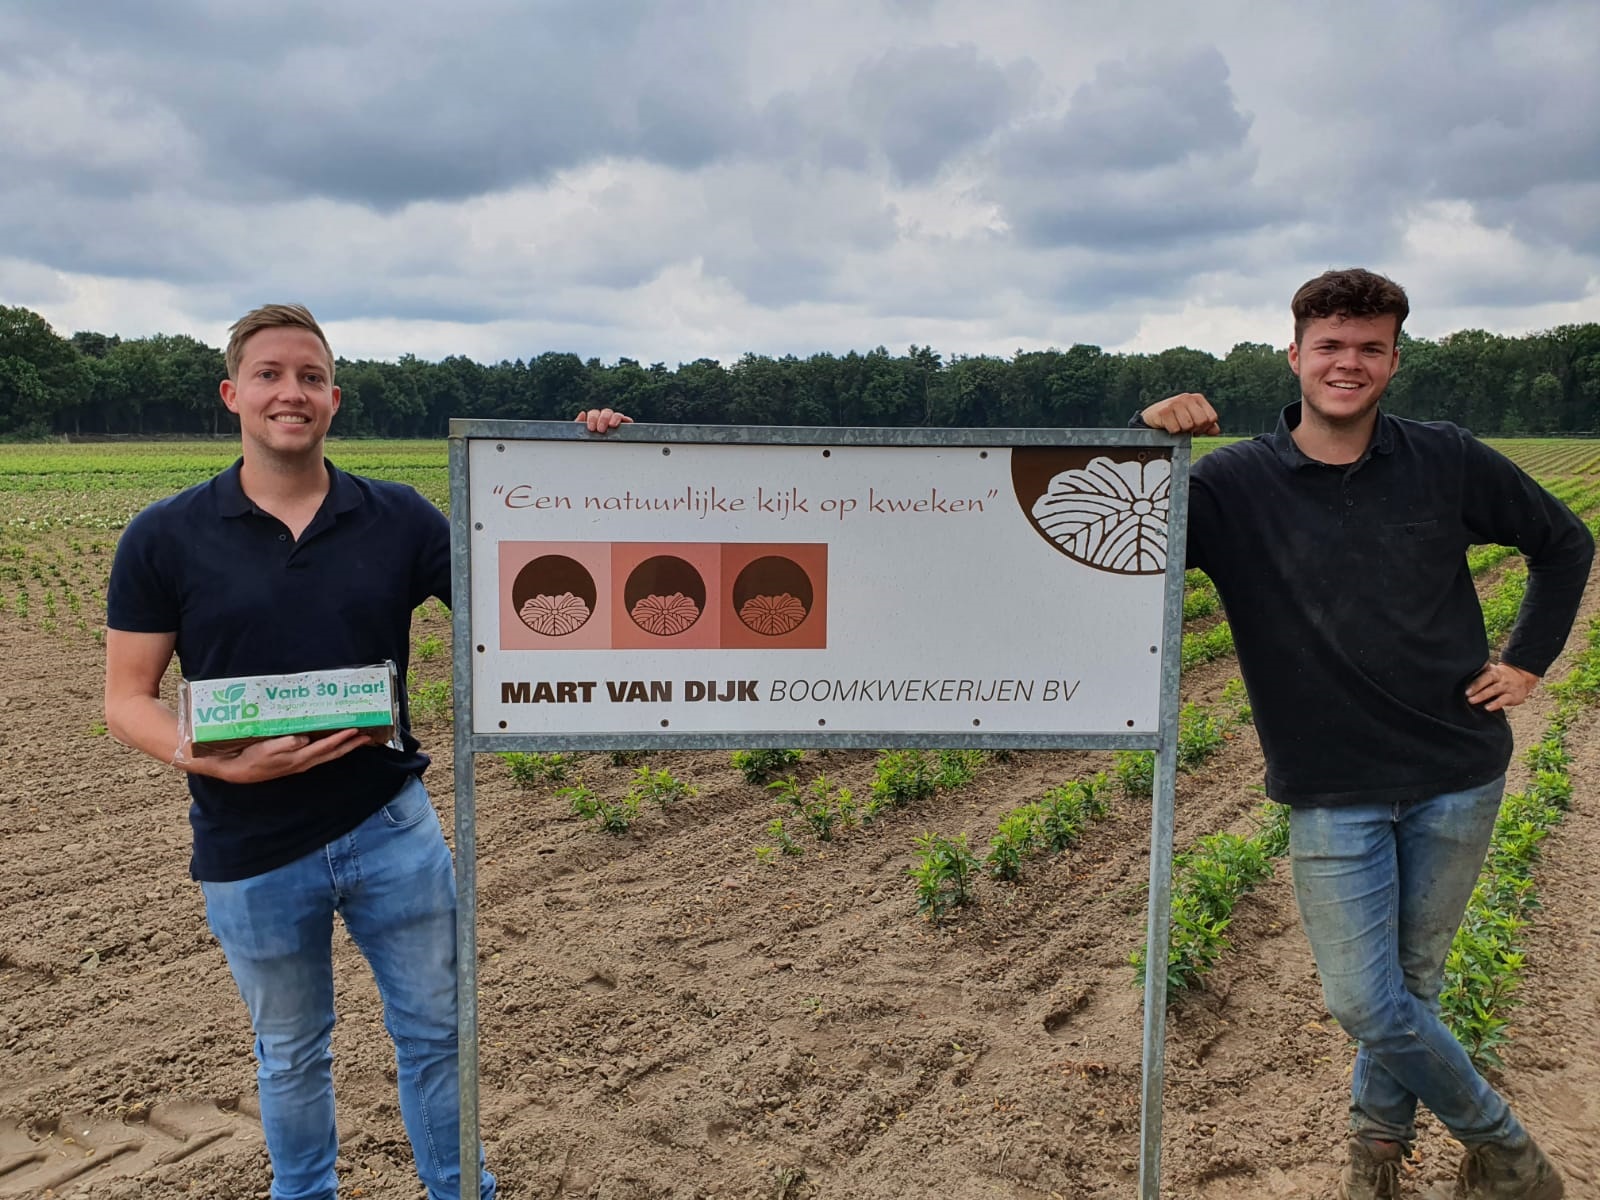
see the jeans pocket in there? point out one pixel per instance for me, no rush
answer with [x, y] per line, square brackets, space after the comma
[410, 805]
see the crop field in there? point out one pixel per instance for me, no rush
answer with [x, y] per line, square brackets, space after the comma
[774, 974]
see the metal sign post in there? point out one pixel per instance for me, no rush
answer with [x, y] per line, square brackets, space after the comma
[724, 587]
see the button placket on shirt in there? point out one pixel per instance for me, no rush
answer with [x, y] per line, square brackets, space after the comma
[1346, 481]
[1347, 501]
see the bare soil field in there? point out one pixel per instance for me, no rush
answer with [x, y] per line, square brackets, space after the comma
[663, 1015]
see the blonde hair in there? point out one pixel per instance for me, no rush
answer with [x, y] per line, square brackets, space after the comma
[272, 316]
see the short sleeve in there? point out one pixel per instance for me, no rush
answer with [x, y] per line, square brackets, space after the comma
[142, 595]
[432, 530]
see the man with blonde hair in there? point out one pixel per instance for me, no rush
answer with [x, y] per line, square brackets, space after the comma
[281, 564]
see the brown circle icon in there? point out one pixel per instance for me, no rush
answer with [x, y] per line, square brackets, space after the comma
[772, 595]
[553, 595]
[664, 595]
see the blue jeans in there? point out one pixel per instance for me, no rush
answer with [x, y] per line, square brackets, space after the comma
[1382, 889]
[392, 881]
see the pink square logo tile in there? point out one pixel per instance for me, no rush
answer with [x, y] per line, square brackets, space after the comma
[553, 595]
[776, 596]
[664, 595]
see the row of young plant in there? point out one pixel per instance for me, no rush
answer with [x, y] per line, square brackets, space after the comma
[900, 778]
[1200, 600]
[1541, 456]
[1199, 596]
[614, 815]
[1208, 881]
[1484, 969]
[1221, 867]
[59, 592]
[945, 870]
[1201, 733]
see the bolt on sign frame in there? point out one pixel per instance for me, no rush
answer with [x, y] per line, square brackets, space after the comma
[737, 587]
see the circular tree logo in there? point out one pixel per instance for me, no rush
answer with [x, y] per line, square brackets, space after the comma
[554, 595]
[1104, 508]
[665, 595]
[772, 595]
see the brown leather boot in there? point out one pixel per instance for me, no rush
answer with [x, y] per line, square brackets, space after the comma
[1373, 1172]
[1497, 1172]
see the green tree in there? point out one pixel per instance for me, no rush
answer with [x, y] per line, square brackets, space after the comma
[1078, 389]
[1251, 386]
[701, 393]
[1544, 402]
[95, 382]
[1179, 369]
[146, 388]
[977, 395]
[192, 372]
[25, 403]
[764, 390]
[42, 371]
[94, 345]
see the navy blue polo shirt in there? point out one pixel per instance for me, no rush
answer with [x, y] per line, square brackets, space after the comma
[246, 598]
[1353, 610]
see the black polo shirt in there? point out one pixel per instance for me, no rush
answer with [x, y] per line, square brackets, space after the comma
[245, 598]
[1354, 614]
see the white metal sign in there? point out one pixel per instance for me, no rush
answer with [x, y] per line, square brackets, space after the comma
[625, 587]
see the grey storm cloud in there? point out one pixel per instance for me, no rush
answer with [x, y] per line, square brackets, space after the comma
[88, 231]
[915, 107]
[1151, 151]
[1512, 166]
[1562, 214]
[390, 104]
[1138, 114]
[1497, 108]
[930, 102]
[1090, 280]
[386, 106]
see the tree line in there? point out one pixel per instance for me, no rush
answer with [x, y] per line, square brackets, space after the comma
[95, 384]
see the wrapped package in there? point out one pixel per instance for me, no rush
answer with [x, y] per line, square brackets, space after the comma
[218, 715]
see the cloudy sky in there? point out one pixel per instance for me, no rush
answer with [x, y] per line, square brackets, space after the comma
[666, 179]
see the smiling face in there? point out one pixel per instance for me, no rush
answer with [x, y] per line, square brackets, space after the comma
[283, 394]
[1344, 365]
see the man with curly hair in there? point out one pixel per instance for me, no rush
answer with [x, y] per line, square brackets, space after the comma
[1337, 544]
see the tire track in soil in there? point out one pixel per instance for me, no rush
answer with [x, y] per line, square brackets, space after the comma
[168, 1140]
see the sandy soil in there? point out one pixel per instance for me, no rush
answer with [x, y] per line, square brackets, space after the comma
[663, 1016]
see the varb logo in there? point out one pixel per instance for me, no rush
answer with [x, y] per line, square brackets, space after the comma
[225, 706]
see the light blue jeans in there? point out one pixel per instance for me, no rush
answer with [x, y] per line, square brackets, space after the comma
[392, 881]
[1382, 889]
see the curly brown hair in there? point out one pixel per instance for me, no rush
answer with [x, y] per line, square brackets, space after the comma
[1350, 293]
[271, 316]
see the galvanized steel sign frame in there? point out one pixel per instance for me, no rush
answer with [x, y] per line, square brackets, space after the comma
[730, 587]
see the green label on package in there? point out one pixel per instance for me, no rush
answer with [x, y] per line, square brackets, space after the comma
[273, 705]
